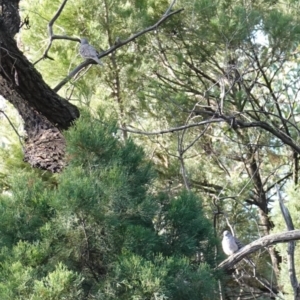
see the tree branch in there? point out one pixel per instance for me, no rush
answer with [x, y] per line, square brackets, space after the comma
[265, 241]
[120, 44]
[291, 247]
[53, 36]
[235, 123]
[13, 127]
[174, 129]
[43, 111]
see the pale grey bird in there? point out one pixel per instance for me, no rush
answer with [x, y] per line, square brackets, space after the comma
[88, 51]
[231, 244]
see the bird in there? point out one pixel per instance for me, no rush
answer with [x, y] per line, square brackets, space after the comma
[87, 51]
[231, 244]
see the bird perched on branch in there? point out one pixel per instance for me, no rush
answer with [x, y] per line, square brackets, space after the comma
[231, 244]
[87, 51]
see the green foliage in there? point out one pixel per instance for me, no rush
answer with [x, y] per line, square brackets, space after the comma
[283, 29]
[162, 278]
[107, 206]
[185, 225]
[59, 284]
[24, 213]
[99, 233]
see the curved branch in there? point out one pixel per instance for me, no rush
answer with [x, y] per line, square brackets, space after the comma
[291, 247]
[281, 135]
[265, 241]
[238, 124]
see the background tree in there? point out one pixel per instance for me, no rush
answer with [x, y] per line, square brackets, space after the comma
[96, 234]
[211, 96]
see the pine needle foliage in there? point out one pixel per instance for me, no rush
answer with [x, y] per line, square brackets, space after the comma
[101, 232]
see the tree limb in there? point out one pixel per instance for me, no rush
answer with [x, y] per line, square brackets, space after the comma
[236, 123]
[13, 127]
[265, 241]
[174, 129]
[44, 112]
[120, 44]
[52, 36]
[291, 247]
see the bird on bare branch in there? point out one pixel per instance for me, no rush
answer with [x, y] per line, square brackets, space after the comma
[87, 51]
[231, 244]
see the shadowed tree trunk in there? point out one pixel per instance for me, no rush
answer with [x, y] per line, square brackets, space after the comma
[44, 112]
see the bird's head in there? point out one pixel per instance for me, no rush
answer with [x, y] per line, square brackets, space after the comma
[84, 41]
[226, 233]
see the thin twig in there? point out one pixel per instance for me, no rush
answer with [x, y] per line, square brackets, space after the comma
[174, 129]
[170, 7]
[268, 287]
[53, 36]
[13, 127]
[291, 247]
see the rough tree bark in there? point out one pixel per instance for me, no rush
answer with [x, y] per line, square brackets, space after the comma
[44, 112]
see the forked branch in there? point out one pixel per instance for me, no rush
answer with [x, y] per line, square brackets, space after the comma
[53, 36]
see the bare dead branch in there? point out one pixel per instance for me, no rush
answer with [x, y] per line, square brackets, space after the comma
[236, 123]
[120, 44]
[265, 241]
[291, 247]
[286, 214]
[279, 181]
[13, 127]
[268, 286]
[170, 7]
[57, 14]
[53, 36]
[268, 114]
[174, 129]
